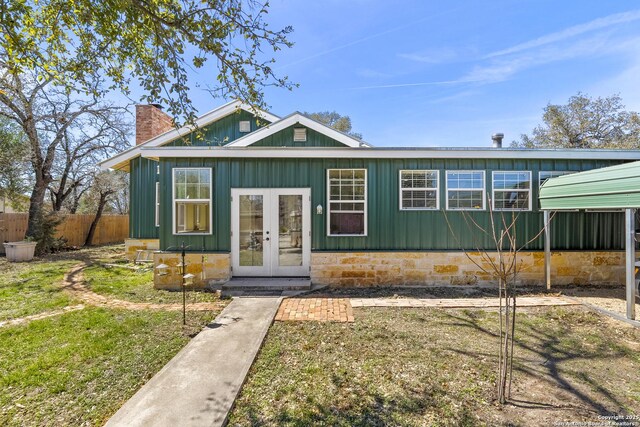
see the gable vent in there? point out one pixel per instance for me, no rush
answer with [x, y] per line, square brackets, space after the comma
[299, 134]
[245, 126]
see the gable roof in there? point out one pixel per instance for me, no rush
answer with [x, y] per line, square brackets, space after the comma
[293, 119]
[121, 160]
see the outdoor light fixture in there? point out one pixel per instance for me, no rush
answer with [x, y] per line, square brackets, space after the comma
[188, 279]
[181, 267]
[162, 269]
[319, 209]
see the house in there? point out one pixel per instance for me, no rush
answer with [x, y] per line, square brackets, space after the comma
[254, 194]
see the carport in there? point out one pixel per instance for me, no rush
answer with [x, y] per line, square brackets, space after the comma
[610, 188]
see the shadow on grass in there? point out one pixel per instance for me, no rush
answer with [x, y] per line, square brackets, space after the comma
[549, 347]
[370, 409]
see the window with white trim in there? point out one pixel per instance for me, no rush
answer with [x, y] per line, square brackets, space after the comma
[157, 204]
[192, 201]
[543, 175]
[465, 190]
[347, 195]
[512, 191]
[419, 190]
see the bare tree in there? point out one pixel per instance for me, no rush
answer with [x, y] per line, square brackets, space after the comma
[502, 264]
[53, 122]
[105, 185]
[88, 140]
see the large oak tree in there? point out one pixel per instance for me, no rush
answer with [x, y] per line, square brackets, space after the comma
[586, 122]
[85, 49]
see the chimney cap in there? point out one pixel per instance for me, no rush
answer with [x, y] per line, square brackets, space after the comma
[497, 139]
[158, 106]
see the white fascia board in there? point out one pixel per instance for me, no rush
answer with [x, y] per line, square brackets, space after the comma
[116, 162]
[386, 153]
[291, 120]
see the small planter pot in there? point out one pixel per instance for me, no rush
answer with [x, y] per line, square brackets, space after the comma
[20, 251]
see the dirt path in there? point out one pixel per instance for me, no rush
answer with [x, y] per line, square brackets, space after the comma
[74, 283]
[39, 316]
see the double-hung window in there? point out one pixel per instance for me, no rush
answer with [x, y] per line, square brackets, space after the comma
[465, 190]
[543, 176]
[512, 191]
[192, 201]
[419, 190]
[347, 195]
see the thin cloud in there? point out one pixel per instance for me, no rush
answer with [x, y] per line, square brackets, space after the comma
[435, 83]
[597, 24]
[502, 69]
[437, 56]
[364, 39]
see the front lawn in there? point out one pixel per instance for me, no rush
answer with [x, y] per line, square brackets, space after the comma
[31, 288]
[78, 368]
[416, 367]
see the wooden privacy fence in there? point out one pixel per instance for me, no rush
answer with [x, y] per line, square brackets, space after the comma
[74, 228]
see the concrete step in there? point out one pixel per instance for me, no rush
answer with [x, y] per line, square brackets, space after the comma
[267, 284]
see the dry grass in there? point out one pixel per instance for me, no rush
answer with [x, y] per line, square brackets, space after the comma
[415, 367]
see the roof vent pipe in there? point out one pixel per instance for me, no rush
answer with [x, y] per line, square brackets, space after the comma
[497, 140]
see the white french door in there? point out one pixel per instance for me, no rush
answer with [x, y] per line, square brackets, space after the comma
[270, 231]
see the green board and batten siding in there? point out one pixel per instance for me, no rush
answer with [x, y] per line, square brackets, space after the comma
[388, 227]
[221, 132]
[284, 138]
[143, 172]
[613, 187]
[143, 176]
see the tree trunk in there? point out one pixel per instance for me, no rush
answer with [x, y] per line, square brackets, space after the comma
[36, 205]
[94, 223]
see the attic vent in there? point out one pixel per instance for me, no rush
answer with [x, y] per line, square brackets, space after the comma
[245, 126]
[299, 134]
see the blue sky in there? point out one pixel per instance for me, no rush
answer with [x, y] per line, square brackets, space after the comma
[418, 73]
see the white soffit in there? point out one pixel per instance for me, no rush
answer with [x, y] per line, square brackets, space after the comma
[120, 160]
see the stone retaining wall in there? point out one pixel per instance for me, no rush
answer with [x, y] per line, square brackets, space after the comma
[133, 245]
[210, 270]
[455, 268]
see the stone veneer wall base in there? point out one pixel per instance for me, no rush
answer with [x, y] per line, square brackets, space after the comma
[343, 269]
[211, 270]
[131, 246]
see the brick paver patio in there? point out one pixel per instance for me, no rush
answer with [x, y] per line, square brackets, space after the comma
[341, 309]
[317, 309]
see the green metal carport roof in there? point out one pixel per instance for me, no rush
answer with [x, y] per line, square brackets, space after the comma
[615, 187]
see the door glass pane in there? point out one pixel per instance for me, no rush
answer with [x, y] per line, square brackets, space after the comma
[251, 230]
[290, 230]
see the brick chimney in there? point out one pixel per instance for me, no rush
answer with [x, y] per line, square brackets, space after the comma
[151, 121]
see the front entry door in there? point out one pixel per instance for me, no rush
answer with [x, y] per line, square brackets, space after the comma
[270, 232]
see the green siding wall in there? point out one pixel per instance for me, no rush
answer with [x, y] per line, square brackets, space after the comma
[284, 138]
[142, 190]
[388, 227]
[227, 127]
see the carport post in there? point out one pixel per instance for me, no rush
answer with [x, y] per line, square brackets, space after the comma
[630, 244]
[547, 250]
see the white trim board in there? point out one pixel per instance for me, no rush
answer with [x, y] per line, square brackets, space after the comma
[291, 120]
[120, 160]
[386, 153]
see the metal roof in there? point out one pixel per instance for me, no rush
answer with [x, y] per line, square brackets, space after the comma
[614, 187]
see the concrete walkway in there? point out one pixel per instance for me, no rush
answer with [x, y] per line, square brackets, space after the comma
[199, 385]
